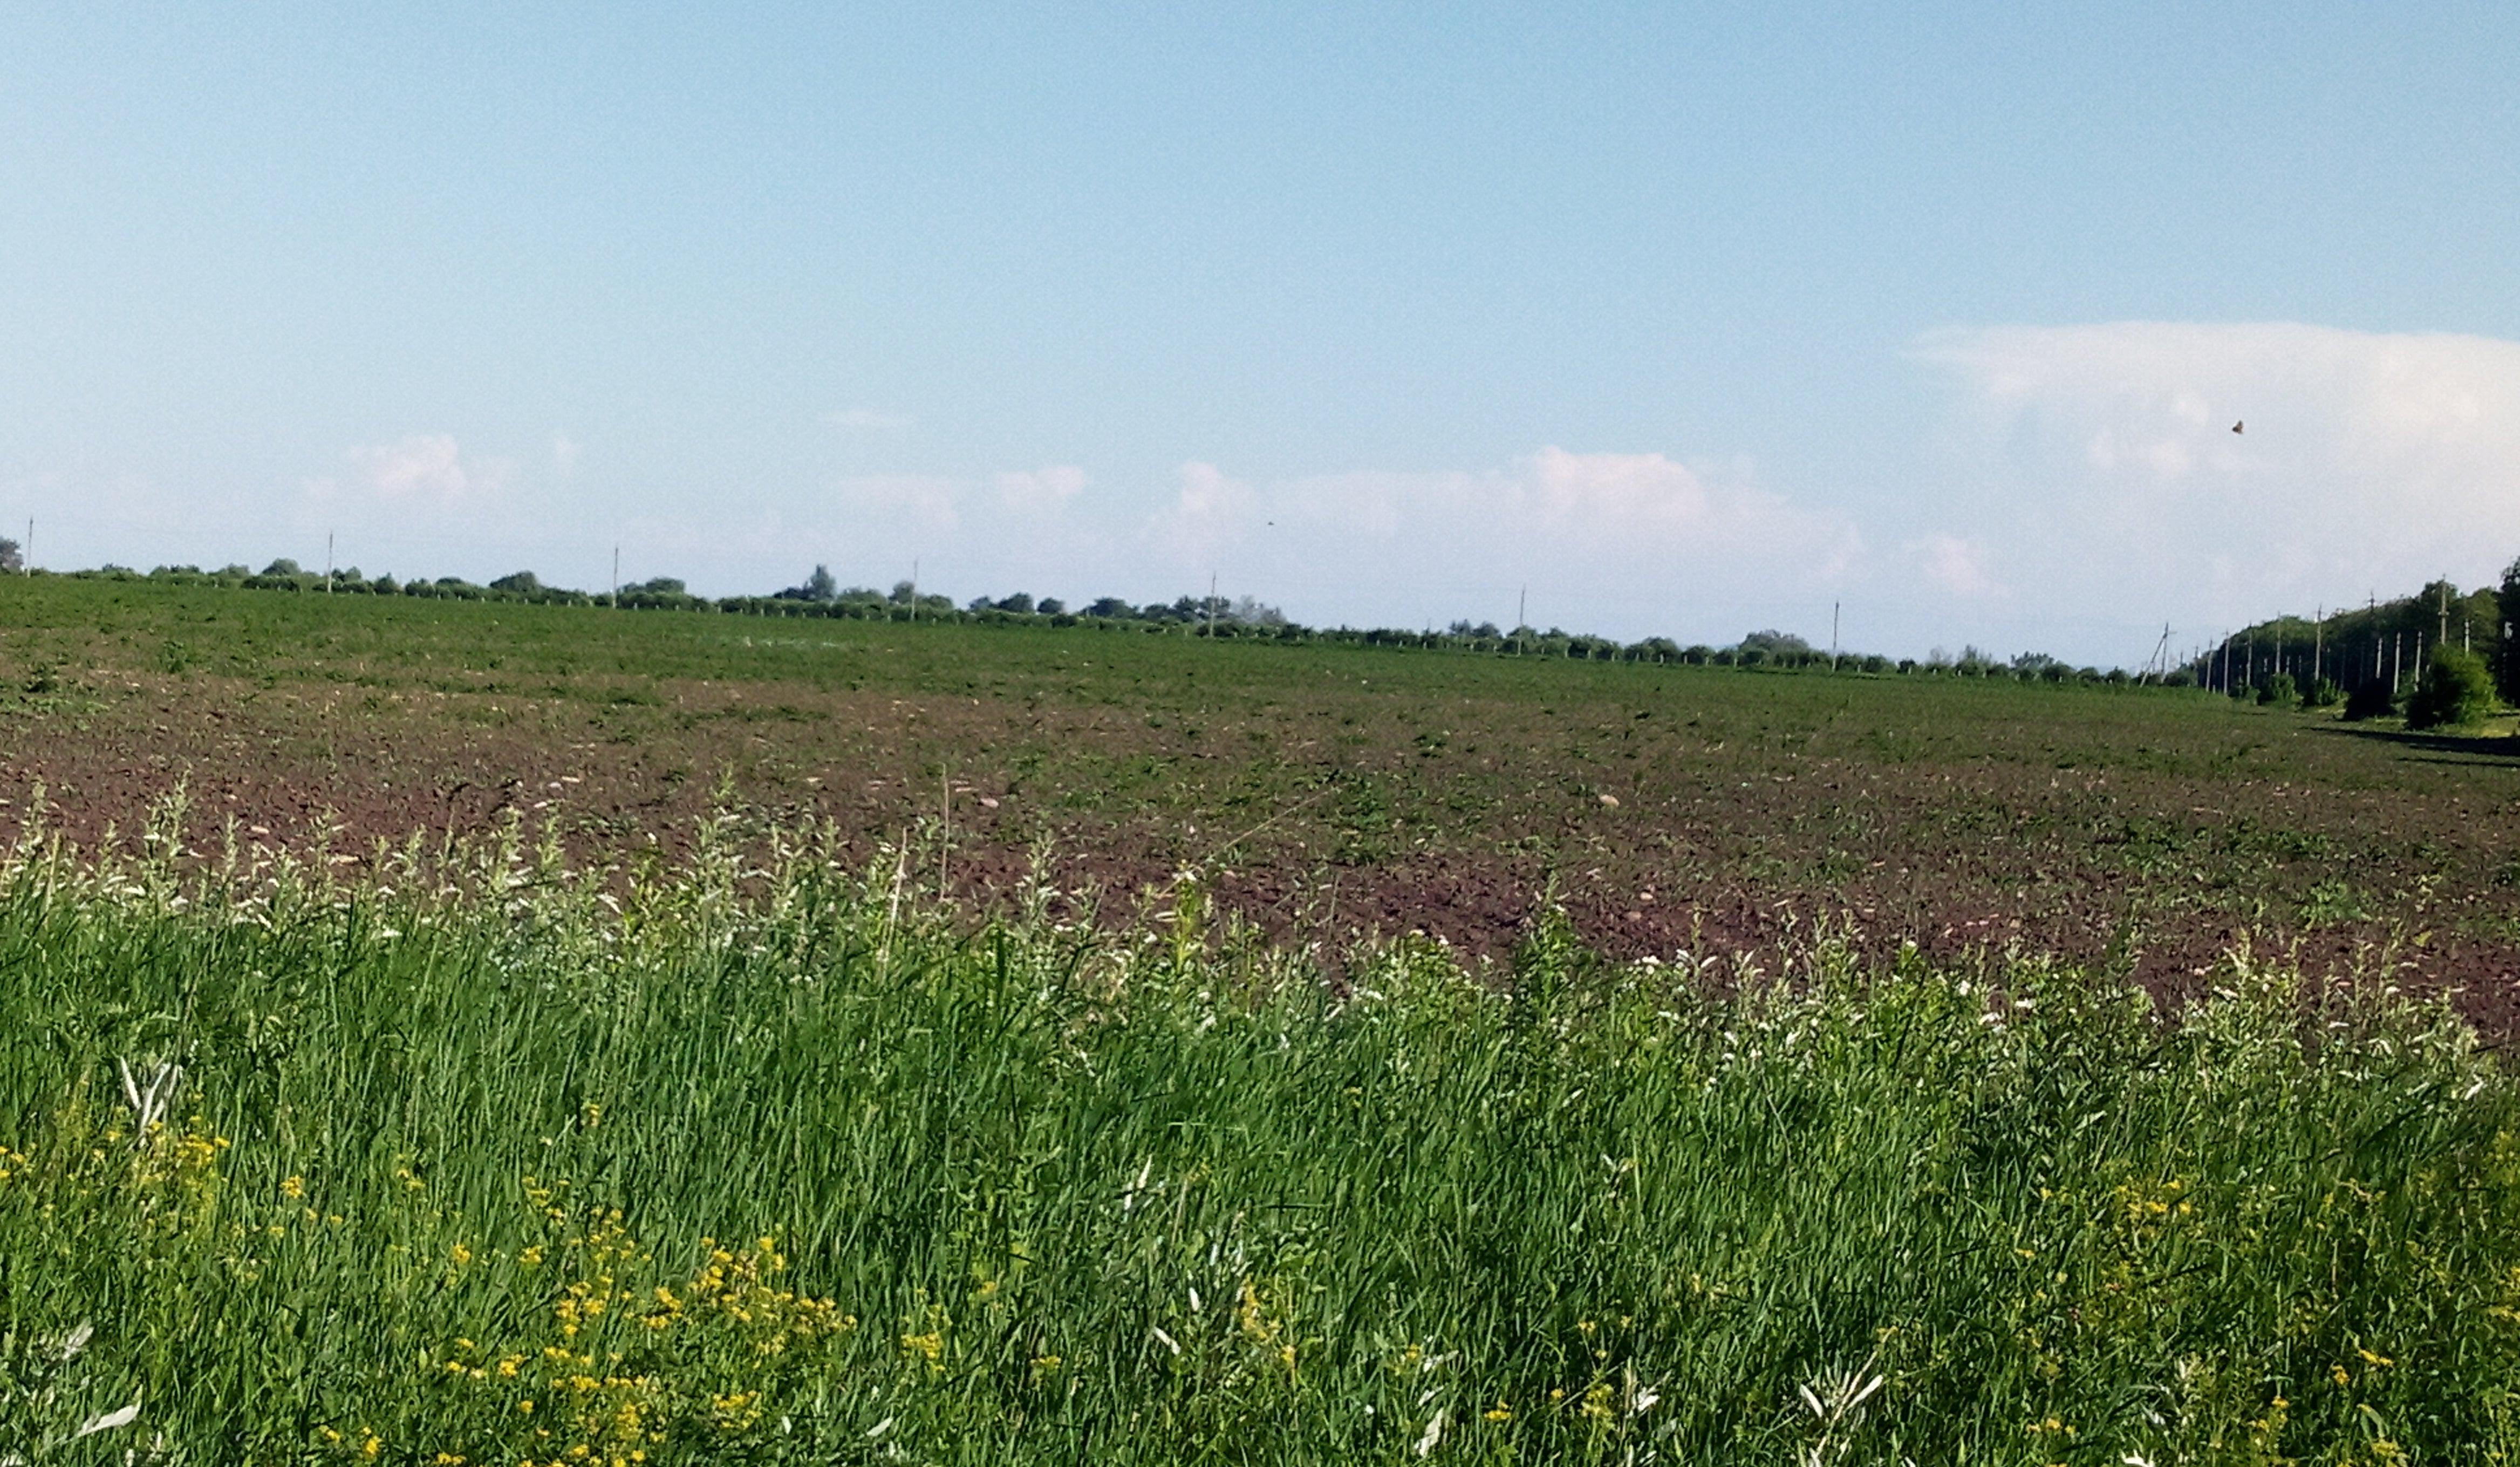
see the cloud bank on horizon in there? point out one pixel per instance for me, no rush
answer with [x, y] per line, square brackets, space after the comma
[2080, 487]
[2097, 464]
[2076, 488]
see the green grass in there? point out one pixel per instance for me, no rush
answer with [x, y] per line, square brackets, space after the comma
[922, 1187]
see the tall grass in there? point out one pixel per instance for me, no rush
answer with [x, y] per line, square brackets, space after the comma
[483, 1158]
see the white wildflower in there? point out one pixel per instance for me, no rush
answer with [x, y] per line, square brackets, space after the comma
[108, 1421]
[1435, 1435]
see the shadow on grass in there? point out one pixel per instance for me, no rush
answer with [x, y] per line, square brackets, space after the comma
[2497, 748]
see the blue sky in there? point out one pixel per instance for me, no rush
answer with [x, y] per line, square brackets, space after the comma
[1691, 320]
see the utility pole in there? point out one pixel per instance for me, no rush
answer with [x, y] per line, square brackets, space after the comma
[914, 590]
[617, 577]
[327, 562]
[1521, 601]
[27, 561]
[2317, 646]
[1211, 606]
[1833, 634]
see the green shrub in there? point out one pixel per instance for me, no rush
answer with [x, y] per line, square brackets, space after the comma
[2370, 700]
[2456, 691]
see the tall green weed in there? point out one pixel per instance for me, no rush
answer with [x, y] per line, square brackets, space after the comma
[486, 1157]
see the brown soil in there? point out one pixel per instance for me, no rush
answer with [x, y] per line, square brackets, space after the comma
[1311, 827]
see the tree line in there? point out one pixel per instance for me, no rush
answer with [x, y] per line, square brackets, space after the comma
[2439, 657]
[1240, 618]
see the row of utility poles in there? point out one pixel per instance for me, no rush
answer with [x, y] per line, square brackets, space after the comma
[2390, 661]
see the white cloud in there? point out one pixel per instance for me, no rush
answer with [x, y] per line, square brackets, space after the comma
[2098, 463]
[1955, 566]
[1209, 509]
[1047, 489]
[428, 469]
[866, 420]
[1626, 542]
[926, 501]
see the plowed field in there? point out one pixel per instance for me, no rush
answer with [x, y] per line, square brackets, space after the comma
[1323, 790]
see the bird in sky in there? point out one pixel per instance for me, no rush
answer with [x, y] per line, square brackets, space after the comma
[2235, 428]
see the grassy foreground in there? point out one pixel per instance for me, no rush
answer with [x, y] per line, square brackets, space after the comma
[766, 1160]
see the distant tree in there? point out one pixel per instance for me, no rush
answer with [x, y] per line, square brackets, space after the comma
[1019, 603]
[1246, 611]
[1051, 606]
[2279, 691]
[2323, 693]
[902, 591]
[12, 557]
[981, 604]
[660, 586]
[522, 583]
[1111, 608]
[1778, 645]
[2457, 690]
[2507, 603]
[385, 586]
[819, 587]
[283, 566]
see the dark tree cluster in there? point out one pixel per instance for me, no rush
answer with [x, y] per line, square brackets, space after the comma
[2439, 658]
